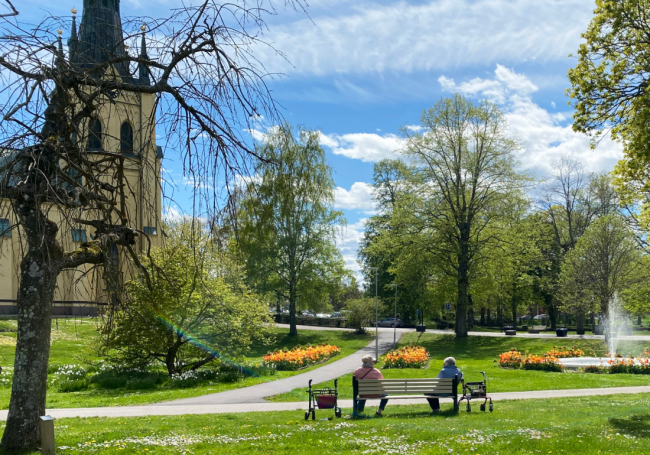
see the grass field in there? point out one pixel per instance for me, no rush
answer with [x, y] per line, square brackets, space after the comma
[617, 424]
[70, 345]
[476, 354]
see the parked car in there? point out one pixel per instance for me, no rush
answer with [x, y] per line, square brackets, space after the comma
[390, 322]
[526, 317]
[540, 316]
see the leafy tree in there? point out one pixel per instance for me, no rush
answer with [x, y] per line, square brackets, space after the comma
[609, 89]
[53, 177]
[360, 312]
[287, 222]
[464, 174]
[604, 262]
[197, 310]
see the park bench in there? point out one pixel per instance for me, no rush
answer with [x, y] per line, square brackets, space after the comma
[537, 329]
[404, 389]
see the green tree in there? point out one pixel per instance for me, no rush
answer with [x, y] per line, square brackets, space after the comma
[604, 262]
[197, 309]
[287, 222]
[464, 174]
[609, 91]
[360, 312]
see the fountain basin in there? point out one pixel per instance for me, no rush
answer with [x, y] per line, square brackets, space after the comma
[573, 363]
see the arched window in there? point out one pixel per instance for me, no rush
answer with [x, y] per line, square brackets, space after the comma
[126, 138]
[94, 134]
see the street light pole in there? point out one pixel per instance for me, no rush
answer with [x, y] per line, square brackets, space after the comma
[395, 317]
[376, 313]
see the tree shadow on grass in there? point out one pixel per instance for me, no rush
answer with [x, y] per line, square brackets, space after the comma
[638, 425]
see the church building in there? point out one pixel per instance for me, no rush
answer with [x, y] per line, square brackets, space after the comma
[126, 125]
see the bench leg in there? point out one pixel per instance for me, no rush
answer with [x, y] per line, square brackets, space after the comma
[354, 408]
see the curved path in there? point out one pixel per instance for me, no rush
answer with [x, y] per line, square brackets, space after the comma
[257, 393]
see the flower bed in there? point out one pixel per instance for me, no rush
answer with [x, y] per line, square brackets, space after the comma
[301, 357]
[514, 359]
[542, 362]
[629, 366]
[563, 352]
[407, 357]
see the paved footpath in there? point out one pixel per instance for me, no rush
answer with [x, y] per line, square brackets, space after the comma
[257, 393]
[171, 410]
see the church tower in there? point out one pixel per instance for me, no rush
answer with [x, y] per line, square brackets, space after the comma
[124, 123]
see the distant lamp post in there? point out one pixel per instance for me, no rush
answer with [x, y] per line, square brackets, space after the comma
[375, 269]
[395, 317]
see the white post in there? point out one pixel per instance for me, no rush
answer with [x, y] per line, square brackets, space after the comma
[395, 328]
[47, 435]
[376, 270]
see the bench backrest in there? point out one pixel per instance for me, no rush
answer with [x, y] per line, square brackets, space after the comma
[418, 386]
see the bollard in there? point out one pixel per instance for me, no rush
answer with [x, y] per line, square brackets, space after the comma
[47, 435]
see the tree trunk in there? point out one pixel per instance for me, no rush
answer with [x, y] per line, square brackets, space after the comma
[638, 320]
[293, 330]
[470, 312]
[462, 303]
[580, 327]
[551, 310]
[488, 318]
[39, 270]
[483, 315]
[170, 358]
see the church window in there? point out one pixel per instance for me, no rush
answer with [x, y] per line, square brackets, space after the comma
[5, 228]
[126, 138]
[79, 235]
[95, 134]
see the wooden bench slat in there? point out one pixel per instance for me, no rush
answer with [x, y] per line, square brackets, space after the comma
[401, 397]
[409, 386]
[395, 392]
[449, 380]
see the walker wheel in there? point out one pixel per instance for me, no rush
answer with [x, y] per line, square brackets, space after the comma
[483, 407]
[313, 415]
[306, 415]
[491, 407]
[469, 407]
[337, 413]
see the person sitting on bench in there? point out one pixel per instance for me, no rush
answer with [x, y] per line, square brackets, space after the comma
[449, 371]
[368, 371]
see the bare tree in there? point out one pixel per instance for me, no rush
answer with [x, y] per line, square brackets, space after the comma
[571, 200]
[195, 72]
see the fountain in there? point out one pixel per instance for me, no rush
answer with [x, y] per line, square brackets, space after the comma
[612, 322]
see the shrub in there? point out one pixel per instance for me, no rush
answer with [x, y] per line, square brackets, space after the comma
[407, 357]
[67, 385]
[107, 380]
[359, 313]
[594, 369]
[142, 383]
[301, 357]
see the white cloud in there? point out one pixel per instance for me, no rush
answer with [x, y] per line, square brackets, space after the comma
[360, 197]
[545, 135]
[368, 147]
[348, 242]
[371, 37]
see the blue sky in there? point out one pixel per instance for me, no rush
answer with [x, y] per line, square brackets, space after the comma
[358, 70]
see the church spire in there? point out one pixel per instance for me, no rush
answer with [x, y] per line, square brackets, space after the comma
[73, 40]
[143, 71]
[100, 36]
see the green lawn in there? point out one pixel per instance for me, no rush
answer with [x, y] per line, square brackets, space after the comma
[70, 343]
[610, 424]
[475, 354]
